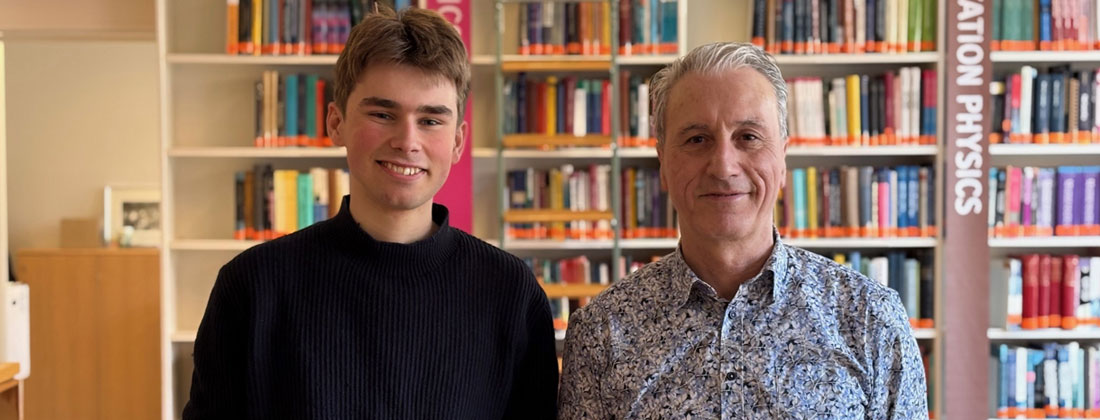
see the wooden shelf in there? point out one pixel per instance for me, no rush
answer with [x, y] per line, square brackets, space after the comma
[1046, 334]
[542, 215]
[650, 243]
[572, 290]
[258, 152]
[1044, 149]
[255, 60]
[543, 140]
[815, 151]
[850, 59]
[550, 244]
[563, 153]
[212, 245]
[1038, 57]
[512, 64]
[862, 243]
[646, 60]
[1046, 242]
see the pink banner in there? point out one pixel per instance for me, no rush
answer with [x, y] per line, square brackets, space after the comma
[457, 192]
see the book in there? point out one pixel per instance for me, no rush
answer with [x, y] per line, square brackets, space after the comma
[274, 202]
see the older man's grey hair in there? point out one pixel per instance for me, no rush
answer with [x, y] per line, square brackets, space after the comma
[711, 59]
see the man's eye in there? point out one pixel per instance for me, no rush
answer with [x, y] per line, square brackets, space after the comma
[381, 115]
[750, 137]
[432, 122]
[695, 140]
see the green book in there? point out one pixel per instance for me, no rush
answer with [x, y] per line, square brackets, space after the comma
[1027, 23]
[305, 200]
[914, 36]
[309, 129]
[928, 24]
[998, 5]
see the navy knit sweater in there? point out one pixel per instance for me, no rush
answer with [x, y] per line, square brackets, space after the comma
[328, 323]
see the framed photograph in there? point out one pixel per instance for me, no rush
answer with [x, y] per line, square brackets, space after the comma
[131, 216]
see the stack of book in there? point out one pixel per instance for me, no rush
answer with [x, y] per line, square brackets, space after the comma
[562, 188]
[291, 110]
[910, 274]
[635, 129]
[1056, 106]
[1050, 380]
[584, 28]
[271, 203]
[844, 26]
[295, 27]
[862, 201]
[1031, 201]
[553, 106]
[896, 108]
[1049, 25]
[1048, 291]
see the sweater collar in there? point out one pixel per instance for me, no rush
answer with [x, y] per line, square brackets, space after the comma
[401, 259]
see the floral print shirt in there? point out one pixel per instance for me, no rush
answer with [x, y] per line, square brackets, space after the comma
[806, 338]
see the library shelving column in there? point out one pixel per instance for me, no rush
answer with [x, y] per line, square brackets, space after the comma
[1014, 236]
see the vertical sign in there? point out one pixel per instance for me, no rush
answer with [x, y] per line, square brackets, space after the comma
[966, 248]
[457, 192]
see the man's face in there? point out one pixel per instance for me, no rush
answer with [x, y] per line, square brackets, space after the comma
[402, 134]
[722, 160]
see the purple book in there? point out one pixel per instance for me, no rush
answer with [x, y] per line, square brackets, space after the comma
[1079, 199]
[1092, 194]
[1026, 203]
[1046, 200]
[1065, 200]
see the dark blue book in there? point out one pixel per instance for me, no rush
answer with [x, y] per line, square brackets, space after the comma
[520, 90]
[1057, 101]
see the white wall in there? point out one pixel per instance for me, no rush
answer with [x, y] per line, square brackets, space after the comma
[80, 115]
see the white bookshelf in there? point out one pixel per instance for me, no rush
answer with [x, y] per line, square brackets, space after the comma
[859, 243]
[854, 59]
[1044, 150]
[855, 151]
[1046, 334]
[924, 333]
[1040, 57]
[1046, 242]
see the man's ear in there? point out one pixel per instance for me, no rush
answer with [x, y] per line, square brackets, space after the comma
[460, 142]
[333, 121]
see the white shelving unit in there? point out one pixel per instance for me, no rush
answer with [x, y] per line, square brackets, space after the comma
[1039, 57]
[1046, 242]
[1046, 334]
[1044, 149]
[854, 59]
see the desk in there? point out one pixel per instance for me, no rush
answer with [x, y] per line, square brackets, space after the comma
[11, 393]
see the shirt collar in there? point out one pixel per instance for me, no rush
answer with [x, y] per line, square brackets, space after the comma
[684, 279]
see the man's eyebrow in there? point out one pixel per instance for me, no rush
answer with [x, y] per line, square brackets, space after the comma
[376, 101]
[692, 127]
[435, 110]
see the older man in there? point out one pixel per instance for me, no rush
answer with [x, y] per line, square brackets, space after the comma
[735, 324]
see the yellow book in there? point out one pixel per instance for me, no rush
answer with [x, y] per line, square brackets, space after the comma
[277, 195]
[290, 201]
[257, 25]
[551, 105]
[605, 28]
[853, 110]
[839, 258]
[811, 202]
[557, 202]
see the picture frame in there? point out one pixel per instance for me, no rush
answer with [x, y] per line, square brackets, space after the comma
[132, 216]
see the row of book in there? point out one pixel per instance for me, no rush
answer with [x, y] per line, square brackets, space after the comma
[584, 28]
[291, 110]
[1059, 25]
[858, 201]
[295, 27]
[582, 270]
[572, 106]
[909, 274]
[895, 108]
[1049, 291]
[1030, 201]
[1057, 106]
[274, 202]
[844, 26]
[1048, 380]
[563, 188]
[646, 211]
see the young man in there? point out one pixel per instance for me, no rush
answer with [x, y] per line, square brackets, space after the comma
[735, 324]
[384, 311]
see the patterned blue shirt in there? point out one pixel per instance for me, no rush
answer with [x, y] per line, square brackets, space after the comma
[806, 338]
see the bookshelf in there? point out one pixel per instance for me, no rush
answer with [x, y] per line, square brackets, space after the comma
[204, 141]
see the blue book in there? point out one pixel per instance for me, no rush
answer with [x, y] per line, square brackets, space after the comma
[654, 24]
[669, 22]
[1005, 389]
[914, 196]
[596, 108]
[561, 106]
[903, 197]
[928, 108]
[1057, 102]
[521, 103]
[305, 200]
[856, 261]
[865, 173]
[799, 178]
[1041, 117]
[864, 105]
[1044, 21]
[291, 121]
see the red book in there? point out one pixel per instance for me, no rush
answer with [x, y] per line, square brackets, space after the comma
[1031, 291]
[570, 86]
[605, 105]
[1044, 291]
[540, 108]
[1071, 282]
[888, 81]
[1056, 291]
[532, 107]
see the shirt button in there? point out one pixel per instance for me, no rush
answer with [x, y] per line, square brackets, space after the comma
[729, 376]
[730, 315]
